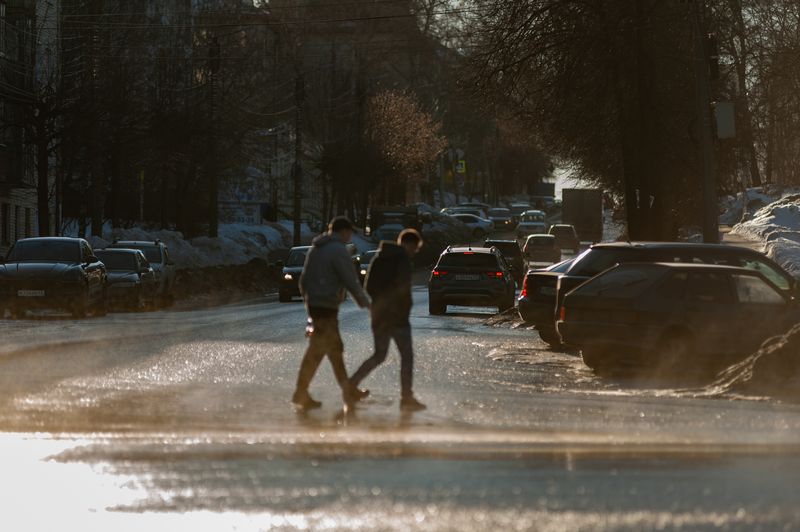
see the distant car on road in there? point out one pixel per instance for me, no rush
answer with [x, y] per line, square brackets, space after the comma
[531, 222]
[513, 255]
[131, 280]
[157, 255]
[290, 273]
[517, 209]
[673, 317]
[364, 260]
[470, 276]
[601, 257]
[502, 218]
[541, 248]
[566, 237]
[54, 273]
[480, 227]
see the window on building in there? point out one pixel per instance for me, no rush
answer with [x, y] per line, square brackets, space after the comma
[17, 222]
[2, 28]
[5, 223]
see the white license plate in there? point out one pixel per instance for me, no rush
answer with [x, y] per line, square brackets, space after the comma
[467, 277]
[30, 293]
[547, 291]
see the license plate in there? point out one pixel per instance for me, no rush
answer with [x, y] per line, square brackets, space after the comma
[30, 293]
[547, 291]
[467, 277]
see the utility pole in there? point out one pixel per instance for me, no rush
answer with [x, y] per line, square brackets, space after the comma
[703, 96]
[297, 171]
[211, 165]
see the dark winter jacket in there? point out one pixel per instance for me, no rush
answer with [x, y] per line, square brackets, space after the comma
[327, 273]
[389, 284]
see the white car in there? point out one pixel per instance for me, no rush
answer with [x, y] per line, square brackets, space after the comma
[531, 223]
[480, 226]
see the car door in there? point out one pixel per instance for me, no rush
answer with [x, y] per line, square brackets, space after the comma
[763, 313]
[710, 311]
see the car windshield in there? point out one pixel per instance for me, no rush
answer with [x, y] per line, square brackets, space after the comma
[118, 260]
[45, 251]
[296, 258]
[533, 218]
[469, 260]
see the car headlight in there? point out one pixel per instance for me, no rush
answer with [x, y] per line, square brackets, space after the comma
[288, 277]
[363, 271]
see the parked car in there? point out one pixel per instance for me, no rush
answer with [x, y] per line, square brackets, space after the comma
[131, 280]
[538, 288]
[157, 254]
[601, 257]
[541, 248]
[672, 316]
[517, 210]
[566, 237]
[364, 260]
[531, 222]
[54, 273]
[513, 255]
[470, 276]
[480, 227]
[502, 218]
[290, 273]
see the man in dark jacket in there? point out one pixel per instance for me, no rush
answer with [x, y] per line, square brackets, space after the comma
[389, 284]
[327, 273]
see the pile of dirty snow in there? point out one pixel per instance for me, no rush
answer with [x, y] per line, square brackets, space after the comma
[778, 226]
[774, 370]
[236, 243]
[734, 209]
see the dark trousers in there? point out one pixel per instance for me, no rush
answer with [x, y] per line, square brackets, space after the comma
[325, 340]
[383, 335]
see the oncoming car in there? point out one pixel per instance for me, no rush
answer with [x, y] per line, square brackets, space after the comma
[131, 280]
[290, 273]
[157, 255]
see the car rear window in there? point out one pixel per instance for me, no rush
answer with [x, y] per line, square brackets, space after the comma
[509, 249]
[499, 212]
[561, 231]
[45, 251]
[542, 242]
[622, 282]
[532, 218]
[468, 260]
[118, 260]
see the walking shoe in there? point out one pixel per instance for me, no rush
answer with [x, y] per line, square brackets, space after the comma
[411, 404]
[305, 401]
[354, 395]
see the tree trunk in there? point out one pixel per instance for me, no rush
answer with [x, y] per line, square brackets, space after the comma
[43, 182]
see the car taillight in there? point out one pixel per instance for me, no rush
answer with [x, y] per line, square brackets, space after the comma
[524, 292]
[495, 274]
[562, 313]
[439, 273]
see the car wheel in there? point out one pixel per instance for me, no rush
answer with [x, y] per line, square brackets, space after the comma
[284, 297]
[550, 337]
[79, 307]
[597, 359]
[436, 307]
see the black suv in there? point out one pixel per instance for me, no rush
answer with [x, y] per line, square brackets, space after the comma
[470, 276]
[545, 290]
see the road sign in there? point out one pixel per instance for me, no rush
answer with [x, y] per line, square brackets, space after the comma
[461, 166]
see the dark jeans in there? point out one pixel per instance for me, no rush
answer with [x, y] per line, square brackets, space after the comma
[325, 340]
[402, 338]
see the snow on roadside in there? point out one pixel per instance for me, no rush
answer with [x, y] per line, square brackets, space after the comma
[734, 208]
[778, 226]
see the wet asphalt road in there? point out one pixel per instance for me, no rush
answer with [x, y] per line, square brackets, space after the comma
[171, 419]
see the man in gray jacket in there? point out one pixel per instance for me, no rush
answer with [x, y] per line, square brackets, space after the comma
[327, 273]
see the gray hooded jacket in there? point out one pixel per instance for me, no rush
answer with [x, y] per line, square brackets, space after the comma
[327, 273]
